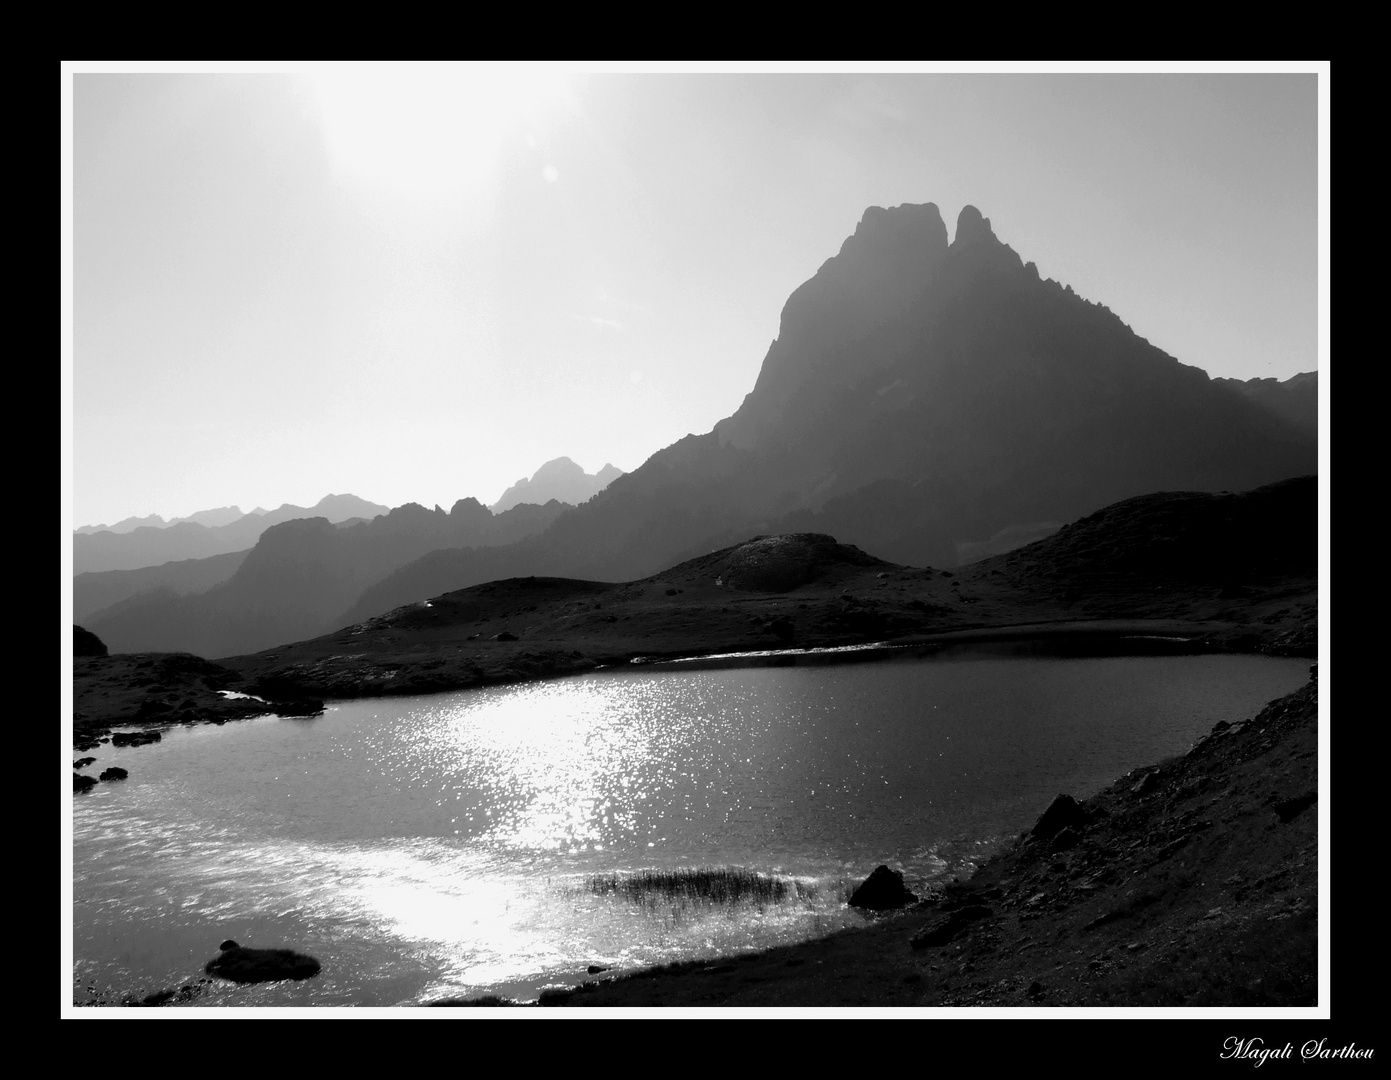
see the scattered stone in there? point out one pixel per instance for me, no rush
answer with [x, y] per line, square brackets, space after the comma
[506, 635]
[242, 965]
[594, 969]
[114, 773]
[883, 890]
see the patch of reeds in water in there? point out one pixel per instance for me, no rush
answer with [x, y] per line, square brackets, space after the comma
[701, 885]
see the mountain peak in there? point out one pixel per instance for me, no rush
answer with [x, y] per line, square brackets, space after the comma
[977, 246]
[560, 478]
[911, 233]
[972, 227]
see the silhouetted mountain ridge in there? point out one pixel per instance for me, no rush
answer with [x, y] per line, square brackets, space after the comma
[153, 544]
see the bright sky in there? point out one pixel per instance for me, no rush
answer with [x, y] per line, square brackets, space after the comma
[418, 283]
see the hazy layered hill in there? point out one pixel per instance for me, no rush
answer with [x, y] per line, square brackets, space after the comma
[92, 592]
[222, 515]
[561, 480]
[300, 575]
[154, 543]
[929, 402]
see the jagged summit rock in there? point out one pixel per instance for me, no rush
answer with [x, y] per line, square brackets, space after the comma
[560, 479]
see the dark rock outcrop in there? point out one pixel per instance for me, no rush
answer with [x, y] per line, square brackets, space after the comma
[86, 643]
[134, 738]
[115, 772]
[883, 890]
[82, 782]
[1063, 812]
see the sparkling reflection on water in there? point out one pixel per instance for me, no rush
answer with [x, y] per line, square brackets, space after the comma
[440, 846]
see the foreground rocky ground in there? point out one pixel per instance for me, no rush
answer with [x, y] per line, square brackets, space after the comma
[1190, 883]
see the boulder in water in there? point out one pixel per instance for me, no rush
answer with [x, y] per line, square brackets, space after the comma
[241, 965]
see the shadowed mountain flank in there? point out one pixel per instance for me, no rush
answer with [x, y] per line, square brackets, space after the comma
[561, 480]
[95, 592]
[1296, 399]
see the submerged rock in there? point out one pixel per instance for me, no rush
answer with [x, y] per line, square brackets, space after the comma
[242, 965]
[883, 890]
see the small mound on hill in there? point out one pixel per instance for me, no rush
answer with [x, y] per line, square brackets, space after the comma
[778, 563]
[1188, 536]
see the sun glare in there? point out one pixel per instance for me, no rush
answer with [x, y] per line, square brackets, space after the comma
[428, 132]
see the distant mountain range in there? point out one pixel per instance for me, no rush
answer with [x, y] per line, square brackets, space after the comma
[150, 541]
[928, 402]
[299, 577]
[223, 515]
[561, 480]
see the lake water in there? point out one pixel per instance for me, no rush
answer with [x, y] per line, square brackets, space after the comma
[447, 845]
